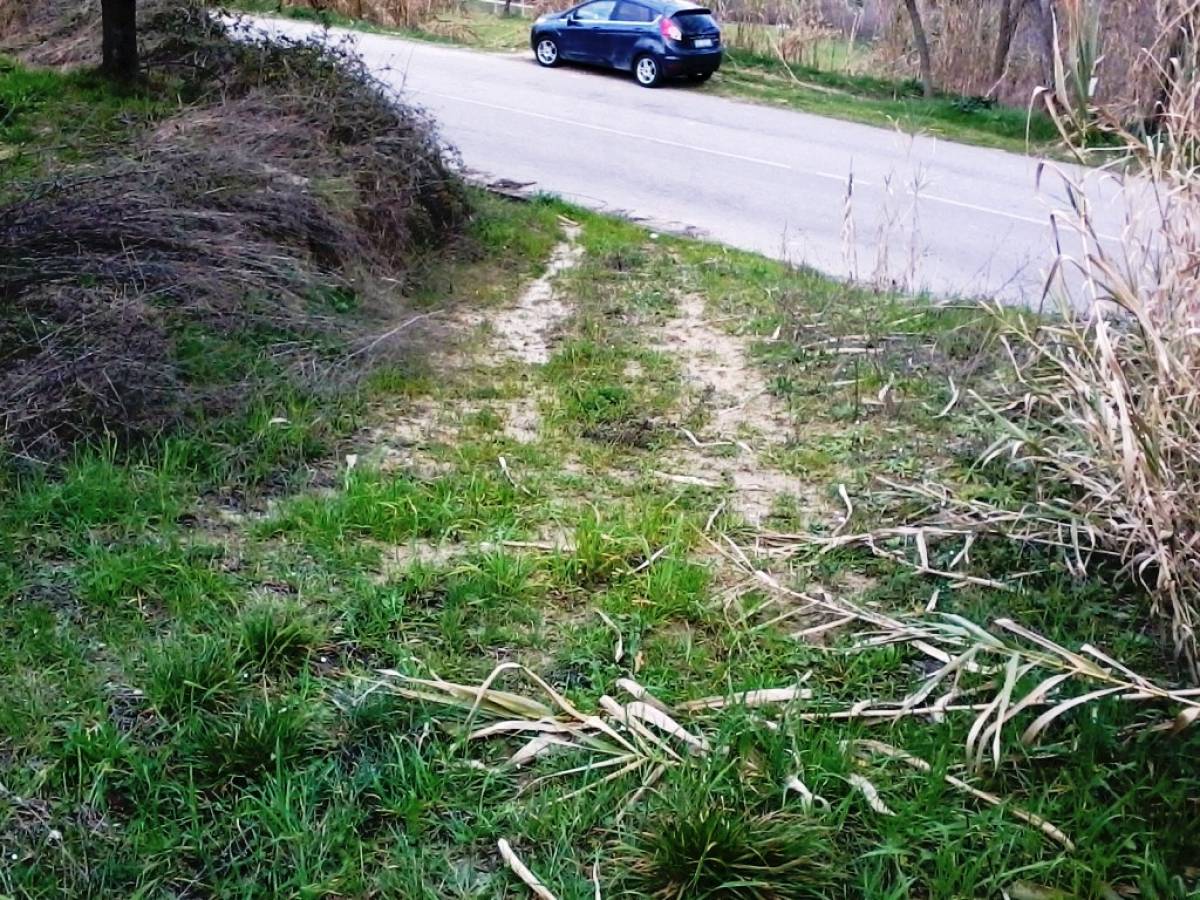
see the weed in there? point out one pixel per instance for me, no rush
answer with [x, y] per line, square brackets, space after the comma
[277, 638]
[600, 404]
[193, 673]
[704, 841]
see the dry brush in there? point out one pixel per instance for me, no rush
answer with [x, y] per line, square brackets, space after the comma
[291, 175]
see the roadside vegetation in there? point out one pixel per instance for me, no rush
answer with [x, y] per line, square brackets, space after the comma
[995, 73]
[827, 77]
[433, 557]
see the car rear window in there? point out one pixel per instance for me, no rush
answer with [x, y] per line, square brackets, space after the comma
[695, 21]
[632, 12]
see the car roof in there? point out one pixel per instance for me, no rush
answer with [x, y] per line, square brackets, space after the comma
[666, 7]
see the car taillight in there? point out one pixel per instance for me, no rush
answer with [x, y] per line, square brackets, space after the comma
[669, 29]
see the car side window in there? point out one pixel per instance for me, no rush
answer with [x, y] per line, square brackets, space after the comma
[632, 12]
[599, 11]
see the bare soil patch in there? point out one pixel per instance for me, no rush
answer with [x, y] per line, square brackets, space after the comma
[747, 421]
[526, 330]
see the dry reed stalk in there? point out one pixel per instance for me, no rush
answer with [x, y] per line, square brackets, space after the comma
[1099, 416]
[1104, 404]
[645, 736]
[523, 871]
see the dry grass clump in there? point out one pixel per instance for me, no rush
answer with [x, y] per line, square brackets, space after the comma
[290, 179]
[1109, 403]
[1100, 417]
[960, 646]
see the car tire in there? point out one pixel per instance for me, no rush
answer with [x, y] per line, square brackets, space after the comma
[647, 71]
[545, 51]
[699, 77]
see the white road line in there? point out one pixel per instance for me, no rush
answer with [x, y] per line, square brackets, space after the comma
[934, 198]
[858, 182]
[1045, 223]
[629, 134]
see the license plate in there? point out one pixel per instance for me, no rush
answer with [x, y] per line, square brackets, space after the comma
[703, 42]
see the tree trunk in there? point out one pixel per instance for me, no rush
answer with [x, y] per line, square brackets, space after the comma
[1043, 17]
[922, 43]
[120, 38]
[1010, 17]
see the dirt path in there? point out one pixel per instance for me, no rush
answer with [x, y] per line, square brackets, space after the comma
[746, 422]
[745, 425]
[526, 330]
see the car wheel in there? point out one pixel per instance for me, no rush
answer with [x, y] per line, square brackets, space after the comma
[700, 77]
[647, 71]
[546, 52]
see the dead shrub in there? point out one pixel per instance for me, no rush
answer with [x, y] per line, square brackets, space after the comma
[51, 32]
[292, 175]
[86, 362]
[1110, 401]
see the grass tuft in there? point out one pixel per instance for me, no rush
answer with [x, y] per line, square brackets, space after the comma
[259, 738]
[191, 673]
[702, 846]
[277, 638]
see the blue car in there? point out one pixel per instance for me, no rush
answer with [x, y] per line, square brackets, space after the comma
[654, 39]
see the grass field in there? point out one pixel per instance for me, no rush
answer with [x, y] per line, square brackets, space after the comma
[194, 631]
[841, 87]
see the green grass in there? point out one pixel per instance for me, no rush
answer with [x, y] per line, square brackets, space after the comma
[835, 87]
[196, 694]
[190, 630]
[47, 116]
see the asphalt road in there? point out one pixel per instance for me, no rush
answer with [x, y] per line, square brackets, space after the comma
[923, 214]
